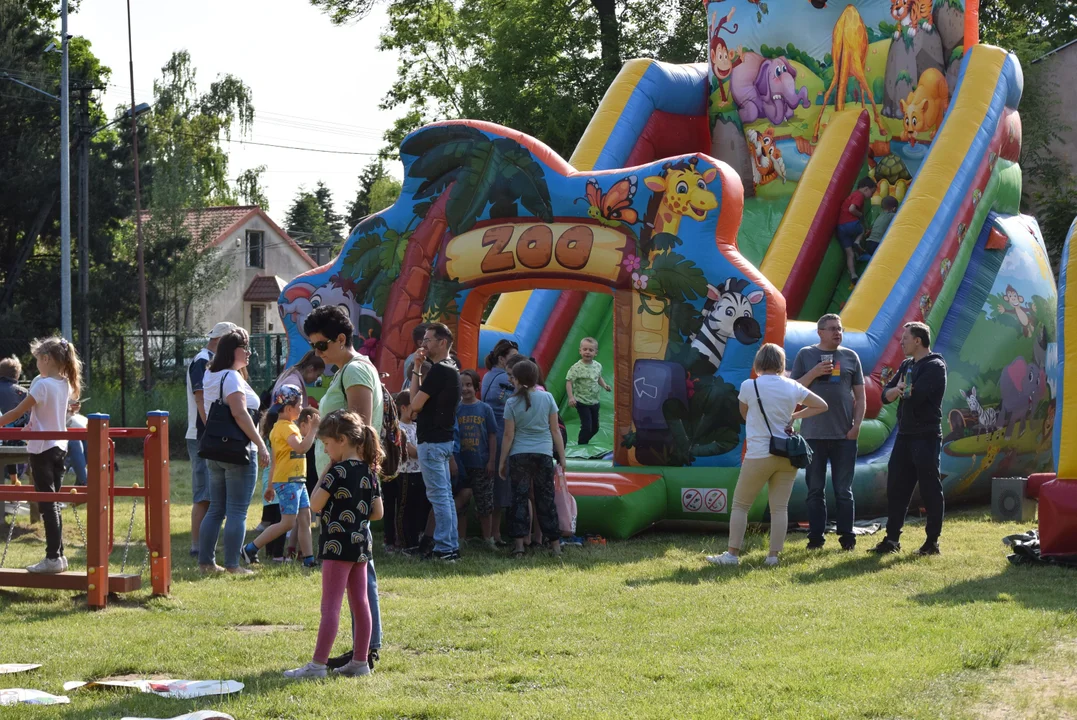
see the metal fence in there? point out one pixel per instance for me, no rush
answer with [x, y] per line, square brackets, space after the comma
[114, 380]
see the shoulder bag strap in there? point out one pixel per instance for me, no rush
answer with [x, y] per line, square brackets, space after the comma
[340, 377]
[759, 399]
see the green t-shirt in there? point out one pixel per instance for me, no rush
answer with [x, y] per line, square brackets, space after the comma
[584, 378]
[359, 371]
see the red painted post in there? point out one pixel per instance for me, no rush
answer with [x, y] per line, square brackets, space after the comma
[158, 530]
[97, 506]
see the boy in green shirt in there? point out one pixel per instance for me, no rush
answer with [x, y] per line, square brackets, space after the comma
[582, 383]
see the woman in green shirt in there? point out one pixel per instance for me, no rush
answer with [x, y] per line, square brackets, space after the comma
[356, 387]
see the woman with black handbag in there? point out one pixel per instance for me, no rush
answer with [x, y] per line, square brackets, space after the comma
[772, 451]
[232, 448]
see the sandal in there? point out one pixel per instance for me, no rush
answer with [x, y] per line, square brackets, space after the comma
[518, 553]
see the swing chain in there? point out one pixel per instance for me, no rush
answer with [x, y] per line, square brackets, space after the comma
[130, 528]
[78, 523]
[10, 532]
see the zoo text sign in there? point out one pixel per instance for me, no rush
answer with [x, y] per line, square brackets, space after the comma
[523, 249]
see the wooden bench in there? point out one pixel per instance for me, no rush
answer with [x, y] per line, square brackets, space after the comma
[117, 583]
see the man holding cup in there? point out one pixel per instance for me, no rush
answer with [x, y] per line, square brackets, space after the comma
[833, 373]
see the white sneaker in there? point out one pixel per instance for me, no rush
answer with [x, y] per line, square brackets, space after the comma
[310, 670]
[723, 559]
[48, 566]
[63, 559]
[771, 560]
[354, 669]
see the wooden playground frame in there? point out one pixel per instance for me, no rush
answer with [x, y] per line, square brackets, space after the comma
[99, 495]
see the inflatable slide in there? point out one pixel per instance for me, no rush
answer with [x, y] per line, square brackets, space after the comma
[696, 220]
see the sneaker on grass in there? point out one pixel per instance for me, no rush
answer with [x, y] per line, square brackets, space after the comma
[930, 547]
[354, 669]
[725, 558]
[887, 547]
[249, 553]
[310, 670]
[771, 560]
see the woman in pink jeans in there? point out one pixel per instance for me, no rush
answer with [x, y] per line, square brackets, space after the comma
[348, 498]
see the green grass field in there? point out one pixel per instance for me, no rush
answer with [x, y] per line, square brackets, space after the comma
[642, 628]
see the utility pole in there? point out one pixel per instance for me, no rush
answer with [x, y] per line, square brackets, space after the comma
[84, 230]
[143, 312]
[65, 181]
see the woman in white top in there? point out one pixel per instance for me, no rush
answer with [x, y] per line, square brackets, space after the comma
[59, 379]
[780, 397]
[231, 487]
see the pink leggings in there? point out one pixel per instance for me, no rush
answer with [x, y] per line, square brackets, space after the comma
[338, 576]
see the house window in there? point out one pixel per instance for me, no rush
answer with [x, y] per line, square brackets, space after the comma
[256, 249]
[258, 319]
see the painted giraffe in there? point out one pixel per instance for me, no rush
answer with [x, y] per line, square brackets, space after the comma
[679, 191]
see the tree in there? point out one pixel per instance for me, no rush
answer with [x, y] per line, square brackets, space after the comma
[384, 193]
[360, 206]
[539, 66]
[29, 160]
[333, 221]
[249, 187]
[1029, 30]
[305, 220]
[189, 171]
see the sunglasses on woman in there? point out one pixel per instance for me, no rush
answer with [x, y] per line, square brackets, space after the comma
[321, 345]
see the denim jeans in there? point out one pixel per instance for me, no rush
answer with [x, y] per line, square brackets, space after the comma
[842, 457]
[434, 461]
[199, 474]
[76, 460]
[231, 488]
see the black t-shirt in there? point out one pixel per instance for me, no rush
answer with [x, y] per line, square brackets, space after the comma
[345, 531]
[437, 419]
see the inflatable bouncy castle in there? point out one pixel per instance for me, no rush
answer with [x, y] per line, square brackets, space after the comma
[696, 219]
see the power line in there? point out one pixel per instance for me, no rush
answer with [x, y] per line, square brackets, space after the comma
[272, 145]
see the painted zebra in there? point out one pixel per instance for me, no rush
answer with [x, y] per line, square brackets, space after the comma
[727, 313]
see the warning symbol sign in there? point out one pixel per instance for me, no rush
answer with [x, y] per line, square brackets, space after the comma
[704, 500]
[715, 500]
[691, 500]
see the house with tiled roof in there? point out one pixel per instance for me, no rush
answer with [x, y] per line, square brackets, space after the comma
[262, 258]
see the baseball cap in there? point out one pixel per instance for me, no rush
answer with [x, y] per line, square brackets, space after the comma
[221, 329]
[287, 395]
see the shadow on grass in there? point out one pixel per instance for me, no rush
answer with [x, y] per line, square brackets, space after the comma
[860, 565]
[1034, 586]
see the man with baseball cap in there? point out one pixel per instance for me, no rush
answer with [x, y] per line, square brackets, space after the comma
[196, 423]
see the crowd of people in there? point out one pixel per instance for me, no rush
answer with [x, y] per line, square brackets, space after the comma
[826, 382]
[419, 458]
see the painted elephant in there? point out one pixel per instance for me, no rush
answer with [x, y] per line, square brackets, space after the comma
[1022, 385]
[766, 88]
